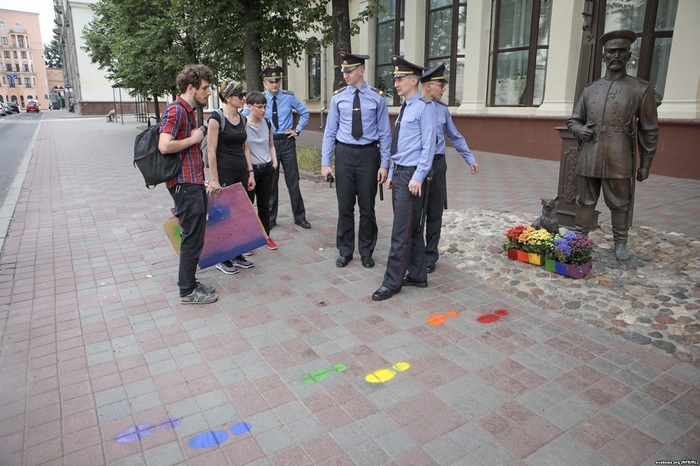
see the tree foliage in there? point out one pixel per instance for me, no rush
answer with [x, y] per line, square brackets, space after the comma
[52, 54]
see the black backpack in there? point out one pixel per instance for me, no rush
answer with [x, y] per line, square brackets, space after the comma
[155, 167]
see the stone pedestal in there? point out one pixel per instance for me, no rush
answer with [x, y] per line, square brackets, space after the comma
[566, 208]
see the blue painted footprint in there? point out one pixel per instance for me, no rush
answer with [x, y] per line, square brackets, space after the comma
[144, 430]
[217, 437]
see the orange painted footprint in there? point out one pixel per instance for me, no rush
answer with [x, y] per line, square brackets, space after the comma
[491, 318]
[383, 375]
[440, 319]
[322, 374]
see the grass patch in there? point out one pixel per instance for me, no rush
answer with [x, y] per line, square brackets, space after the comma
[309, 159]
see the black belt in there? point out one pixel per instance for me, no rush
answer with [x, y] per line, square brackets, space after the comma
[357, 146]
[260, 166]
[398, 167]
[277, 137]
[439, 156]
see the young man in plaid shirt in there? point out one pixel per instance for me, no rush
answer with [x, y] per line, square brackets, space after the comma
[180, 136]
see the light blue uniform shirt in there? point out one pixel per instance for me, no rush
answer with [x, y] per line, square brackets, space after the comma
[417, 137]
[447, 127]
[375, 123]
[286, 101]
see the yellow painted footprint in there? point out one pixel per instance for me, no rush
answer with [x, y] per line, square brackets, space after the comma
[383, 375]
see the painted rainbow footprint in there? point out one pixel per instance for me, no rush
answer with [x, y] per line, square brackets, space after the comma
[322, 374]
[386, 374]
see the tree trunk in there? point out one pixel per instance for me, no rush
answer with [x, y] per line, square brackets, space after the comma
[341, 38]
[156, 107]
[252, 58]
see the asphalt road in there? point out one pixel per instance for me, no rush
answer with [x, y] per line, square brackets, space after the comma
[16, 133]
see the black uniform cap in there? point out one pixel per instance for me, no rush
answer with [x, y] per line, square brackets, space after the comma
[351, 61]
[436, 73]
[272, 73]
[403, 67]
[622, 38]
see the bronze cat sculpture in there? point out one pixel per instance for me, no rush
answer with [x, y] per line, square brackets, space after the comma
[548, 220]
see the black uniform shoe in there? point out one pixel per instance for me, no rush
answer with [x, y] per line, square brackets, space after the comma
[431, 267]
[408, 281]
[303, 223]
[383, 293]
[342, 261]
[367, 262]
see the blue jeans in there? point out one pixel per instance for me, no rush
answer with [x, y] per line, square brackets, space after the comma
[191, 212]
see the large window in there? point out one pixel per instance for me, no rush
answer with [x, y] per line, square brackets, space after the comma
[313, 70]
[520, 46]
[390, 33]
[653, 21]
[445, 43]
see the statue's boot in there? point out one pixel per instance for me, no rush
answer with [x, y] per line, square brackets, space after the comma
[584, 219]
[620, 227]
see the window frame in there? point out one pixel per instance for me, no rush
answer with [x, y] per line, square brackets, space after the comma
[313, 69]
[398, 21]
[532, 49]
[453, 57]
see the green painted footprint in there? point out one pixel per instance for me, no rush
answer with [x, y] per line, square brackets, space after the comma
[322, 374]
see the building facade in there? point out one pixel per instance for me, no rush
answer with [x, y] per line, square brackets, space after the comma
[22, 66]
[516, 67]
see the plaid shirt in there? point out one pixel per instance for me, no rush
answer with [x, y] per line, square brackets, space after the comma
[179, 121]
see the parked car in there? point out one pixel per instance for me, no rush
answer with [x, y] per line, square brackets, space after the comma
[32, 105]
[4, 109]
[14, 107]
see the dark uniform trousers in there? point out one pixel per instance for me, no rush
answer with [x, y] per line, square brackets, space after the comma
[407, 253]
[191, 212]
[356, 178]
[436, 205]
[287, 157]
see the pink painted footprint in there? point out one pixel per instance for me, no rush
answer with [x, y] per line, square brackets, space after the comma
[383, 375]
[491, 318]
[322, 374]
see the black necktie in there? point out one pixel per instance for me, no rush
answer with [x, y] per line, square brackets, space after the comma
[275, 121]
[395, 136]
[356, 116]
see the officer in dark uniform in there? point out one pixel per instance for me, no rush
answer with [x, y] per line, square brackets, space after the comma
[412, 152]
[358, 129]
[613, 116]
[280, 104]
[434, 82]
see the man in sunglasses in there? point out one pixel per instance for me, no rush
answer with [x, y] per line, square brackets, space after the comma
[434, 84]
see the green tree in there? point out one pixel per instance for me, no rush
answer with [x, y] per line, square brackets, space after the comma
[52, 54]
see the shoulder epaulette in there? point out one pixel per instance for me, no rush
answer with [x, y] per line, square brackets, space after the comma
[285, 91]
[440, 102]
[378, 91]
[425, 100]
[338, 91]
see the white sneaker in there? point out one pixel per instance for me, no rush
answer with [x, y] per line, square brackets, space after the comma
[227, 267]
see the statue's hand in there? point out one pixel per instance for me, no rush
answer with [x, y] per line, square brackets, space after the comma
[642, 174]
[585, 133]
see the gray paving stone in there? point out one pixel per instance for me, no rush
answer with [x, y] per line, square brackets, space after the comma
[395, 443]
[183, 408]
[444, 450]
[480, 351]
[463, 358]
[157, 355]
[566, 450]
[113, 411]
[666, 424]
[163, 367]
[264, 421]
[192, 424]
[327, 349]
[221, 415]
[212, 399]
[165, 455]
[685, 372]
[580, 406]
[99, 347]
[629, 378]
[604, 365]
[145, 326]
[377, 424]
[100, 358]
[111, 395]
[405, 388]
[247, 357]
[349, 436]
[290, 412]
[274, 440]
[140, 387]
[133, 460]
[145, 402]
[382, 398]
[183, 350]
[127, 351]
[563, 417]
[369, 454]
[188, 360]
[305, 429]
[255, 370]
[231, 377]
[538, 364]
[481, 446]
[124, 342]
[668, 453]
[222, 364]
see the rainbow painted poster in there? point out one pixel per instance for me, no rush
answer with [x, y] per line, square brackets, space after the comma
[233, 227]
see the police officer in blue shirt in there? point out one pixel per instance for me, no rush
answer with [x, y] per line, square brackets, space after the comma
[280, 104]
[412, 152]
[359, 130]
[434, 83]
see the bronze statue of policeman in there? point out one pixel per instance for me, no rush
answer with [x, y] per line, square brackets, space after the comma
[613, 114]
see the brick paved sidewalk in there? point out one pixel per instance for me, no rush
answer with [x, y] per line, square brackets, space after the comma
[100, 364]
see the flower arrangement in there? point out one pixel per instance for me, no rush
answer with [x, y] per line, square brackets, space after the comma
[529, 239]
[573, 248]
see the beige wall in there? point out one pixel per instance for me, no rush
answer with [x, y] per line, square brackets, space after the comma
[33, 45]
